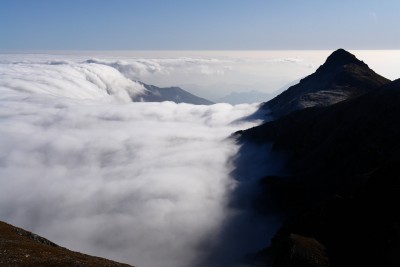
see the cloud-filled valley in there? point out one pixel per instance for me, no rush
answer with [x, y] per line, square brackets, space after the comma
[144, 183]
[199, 134]
[151, 184]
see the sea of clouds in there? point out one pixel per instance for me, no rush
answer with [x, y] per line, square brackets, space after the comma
[143, 183]
[68, 79]
[214, 74]
[151, 184]
[211, 74]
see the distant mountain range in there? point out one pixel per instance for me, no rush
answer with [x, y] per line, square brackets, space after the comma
[174, 94]
[248, 97]
[339, 130]
[252, 96]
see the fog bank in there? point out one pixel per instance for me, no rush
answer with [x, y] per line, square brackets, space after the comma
[143, 183]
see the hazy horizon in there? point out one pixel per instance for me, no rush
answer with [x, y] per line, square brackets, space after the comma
[215, 74]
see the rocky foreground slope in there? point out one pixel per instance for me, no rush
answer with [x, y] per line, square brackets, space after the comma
[341, 193]
[22, 248]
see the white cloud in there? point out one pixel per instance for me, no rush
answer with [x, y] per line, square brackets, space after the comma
[244, 69]
[67, 79]
[134, 69]
[144, 183]
[284, 60]
[143, 68]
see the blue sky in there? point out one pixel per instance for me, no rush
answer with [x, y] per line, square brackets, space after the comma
[198, 25]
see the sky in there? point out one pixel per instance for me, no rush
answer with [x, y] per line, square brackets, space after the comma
[198, 25]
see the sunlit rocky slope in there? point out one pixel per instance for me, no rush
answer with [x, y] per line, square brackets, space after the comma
[19, 247]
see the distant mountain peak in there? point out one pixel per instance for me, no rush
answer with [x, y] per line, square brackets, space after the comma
[174, 94]
[340, 58]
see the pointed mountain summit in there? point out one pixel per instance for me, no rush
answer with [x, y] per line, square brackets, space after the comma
[341, 58]
[341, 77]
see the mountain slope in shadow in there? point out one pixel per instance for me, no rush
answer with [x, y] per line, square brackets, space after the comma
[342, 191]
[340, 188]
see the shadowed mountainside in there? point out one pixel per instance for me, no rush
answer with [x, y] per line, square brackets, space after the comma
[337, 131]
[341, 77]
[22, 248]
[343, 187]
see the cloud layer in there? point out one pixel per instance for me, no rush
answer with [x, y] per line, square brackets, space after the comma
[144, 183]
[68, 79]
[211, 74]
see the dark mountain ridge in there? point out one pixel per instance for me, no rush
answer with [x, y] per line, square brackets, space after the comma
[341, 192]
[341, 77]
[349, 138]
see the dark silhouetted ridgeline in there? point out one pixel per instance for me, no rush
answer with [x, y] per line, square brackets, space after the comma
[341, 192]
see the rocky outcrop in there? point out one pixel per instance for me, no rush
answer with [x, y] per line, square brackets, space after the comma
[300, 251]
[341, 77]
[19, 247]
